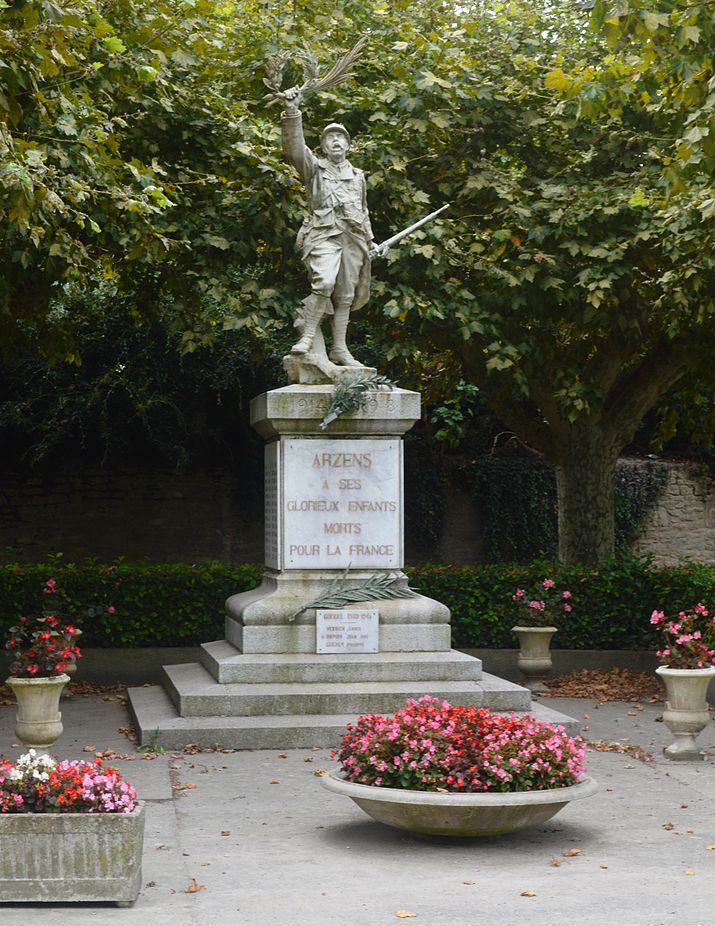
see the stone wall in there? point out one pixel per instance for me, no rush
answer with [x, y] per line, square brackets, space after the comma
[682, 526]
[157, 516]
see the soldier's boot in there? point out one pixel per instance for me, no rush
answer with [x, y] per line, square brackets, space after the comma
[313, 310]
[340, 353]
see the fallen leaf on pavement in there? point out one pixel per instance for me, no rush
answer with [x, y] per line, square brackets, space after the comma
[282, 755]
[606, 685]
[468, 882]
[274, 781]
[710, 848]
[308, 759]
[404, 914]
[555, 863]
[628, 749]
[603, 866]
[689, 871]
[225, 832]
[194, 887]
[571, 853]
[528, 893]
[669, 826]
[320, 772]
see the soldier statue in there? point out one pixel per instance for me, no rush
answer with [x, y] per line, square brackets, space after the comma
[335, 241]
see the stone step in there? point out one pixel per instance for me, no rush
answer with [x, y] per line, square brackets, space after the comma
[158, 723]
[228, 666]
[197, 694]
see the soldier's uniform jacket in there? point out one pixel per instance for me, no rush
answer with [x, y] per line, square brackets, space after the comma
[337, 200]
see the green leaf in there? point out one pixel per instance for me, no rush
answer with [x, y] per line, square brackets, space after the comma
[114, 45]
[217, 242]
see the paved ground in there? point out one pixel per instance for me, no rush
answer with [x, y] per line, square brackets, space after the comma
[269, 846]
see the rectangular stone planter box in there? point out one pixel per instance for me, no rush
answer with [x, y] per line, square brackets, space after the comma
[54, 858]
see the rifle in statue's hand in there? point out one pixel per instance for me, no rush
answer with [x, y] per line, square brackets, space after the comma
[379, 250]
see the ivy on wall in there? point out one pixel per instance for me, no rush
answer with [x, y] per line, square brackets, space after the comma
[516, 493]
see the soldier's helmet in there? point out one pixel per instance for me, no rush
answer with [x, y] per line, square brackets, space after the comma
[335, 127]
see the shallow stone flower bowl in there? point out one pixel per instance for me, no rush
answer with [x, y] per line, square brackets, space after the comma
[437, 814]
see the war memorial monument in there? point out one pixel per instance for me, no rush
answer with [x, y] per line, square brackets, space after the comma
[303, 653]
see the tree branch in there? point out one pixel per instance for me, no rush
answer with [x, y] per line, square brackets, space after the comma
[529, 425]
[640, 387]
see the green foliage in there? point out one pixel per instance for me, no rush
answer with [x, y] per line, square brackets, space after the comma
[124, 156]
[165, 605]
[176, 604]
[138, 399]
[612, 602]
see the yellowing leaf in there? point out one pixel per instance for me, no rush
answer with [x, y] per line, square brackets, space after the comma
[571, 853]
[193, 888]
[528, 893]
[404, 914]
[557, 80]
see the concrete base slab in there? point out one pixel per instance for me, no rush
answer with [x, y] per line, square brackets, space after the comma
[158, 721]
[196, 694]
[227, 665]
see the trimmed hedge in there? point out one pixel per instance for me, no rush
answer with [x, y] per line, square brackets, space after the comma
[155, 605]
[182, 605]
[612, 602]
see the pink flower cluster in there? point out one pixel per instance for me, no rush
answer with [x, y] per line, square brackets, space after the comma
[689, 641]
[41, 784]
[432, 746]
[538, 608]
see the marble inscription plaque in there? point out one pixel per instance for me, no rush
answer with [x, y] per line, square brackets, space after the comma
[346, 631]
[342, 503]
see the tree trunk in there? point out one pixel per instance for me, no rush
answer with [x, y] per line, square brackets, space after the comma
[585, 483]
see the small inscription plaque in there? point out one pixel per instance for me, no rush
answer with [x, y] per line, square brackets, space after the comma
[347, 631]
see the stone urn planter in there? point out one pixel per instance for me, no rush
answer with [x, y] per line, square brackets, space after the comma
[686, 711]
[39, 721]
[443, 814]
[534, 659]
[52, 858]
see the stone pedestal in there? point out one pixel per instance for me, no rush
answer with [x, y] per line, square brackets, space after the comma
[333, 502]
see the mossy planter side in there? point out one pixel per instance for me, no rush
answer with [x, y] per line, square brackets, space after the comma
[437, 814]
[52, 858]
